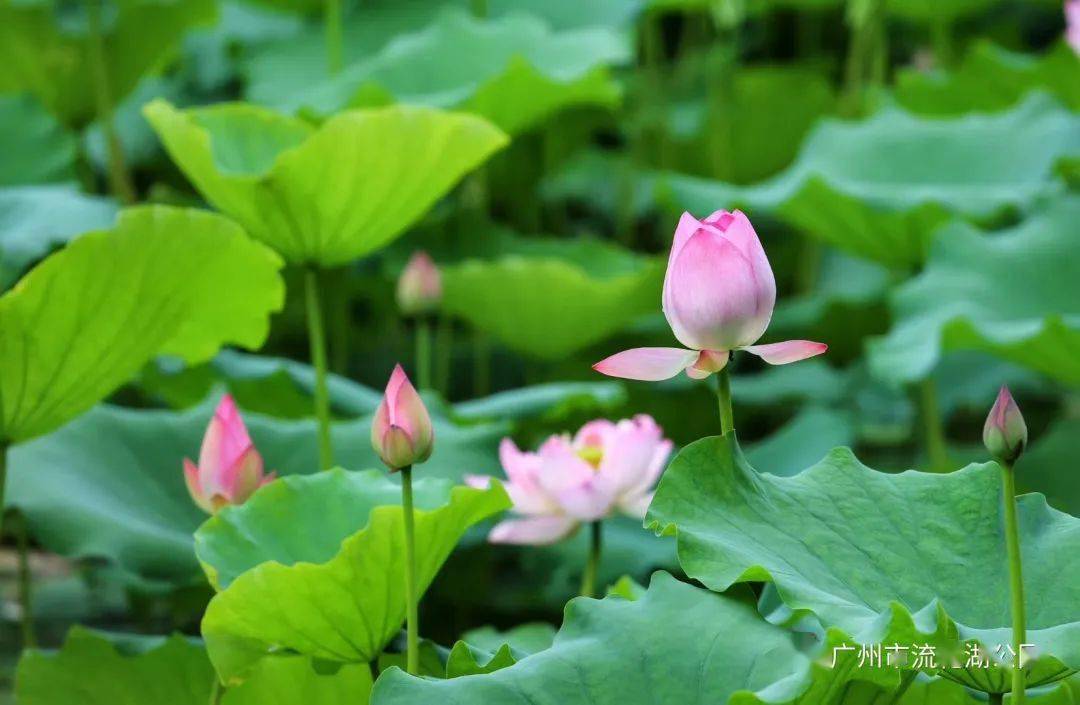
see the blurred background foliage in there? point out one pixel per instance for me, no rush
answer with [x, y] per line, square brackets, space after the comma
[911, 167]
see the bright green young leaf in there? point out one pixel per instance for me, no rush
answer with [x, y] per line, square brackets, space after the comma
[550, 306]
[97, 668]
[884, 558]
[325, 195]
[513, 71]
[110, 485]
[86, 319]
[45, 48]
[878, 188]
[315, 564]
[1014, 294]
[991, 78]
[36, 148]
[35, 219]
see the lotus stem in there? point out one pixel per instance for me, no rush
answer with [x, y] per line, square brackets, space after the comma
[937, 451]
[26, 607]
[481, 364]
[317, 342]
[592, 563]
[332, 16]
[866, 52]
[444, 338]
[412, 629]
[723, 397]
[1016, 580]
[217, 691]
[119, 178]
[996, 698]
[423, 352]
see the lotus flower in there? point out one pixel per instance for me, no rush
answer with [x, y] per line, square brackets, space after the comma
[401, 432]
[1005, 433]
[229, 469]
[719, 294]
[606, 467]
[419, 288]
[1072, 24]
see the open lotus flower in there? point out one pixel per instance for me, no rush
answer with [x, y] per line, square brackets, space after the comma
[1005, 434]
[419, 288]
[401, 432]
[229, 469]
[719, 294]
[606, 467]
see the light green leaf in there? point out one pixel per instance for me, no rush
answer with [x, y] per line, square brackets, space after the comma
[542, 400]
[34, 219]
[513, 71]
[325, 195]
[45, 48]
[884, 558]
[150, 285]
[110, 485]
[525, 639]
[1014, 294]
[550, 307]
[991, 78]
[327, 549]
[36, 148]
[97, 668]
[878, 188]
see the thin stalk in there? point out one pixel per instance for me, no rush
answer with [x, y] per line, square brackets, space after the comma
[444, 345]
[933, 430]
[119, 178]
[217, 691]
[592, 563]
[996, 698]
[332, 16]
[1016, 580]
[867, 54]
[3, 484]
[412, 628]
[317, 342]
[423, 352]
[481, 364]
[26, 607]
[723, 398]
[905, 684]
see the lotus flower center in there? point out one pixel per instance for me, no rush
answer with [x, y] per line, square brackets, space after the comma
[592, 455]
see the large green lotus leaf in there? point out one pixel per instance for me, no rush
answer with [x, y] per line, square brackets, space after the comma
[325, 195]
[36, 148]
[150, 285]
[884, 558]
[1014, 294]
[316, 565]
[674, 644]
[35, 219]
[545, 401]
[109, 485]
[513, 71]
[45, 48]
[991, 78]
[878, 188]
[550, 307]
[97, 668]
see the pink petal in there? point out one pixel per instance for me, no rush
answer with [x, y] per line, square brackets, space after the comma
[636, 505]
[628, 453]
[535, 531]
[562, 468]
[244, 477]
[708, 362]
[593, 434]
[714, 297]
[194, 486]
[226, 440]
[787, 351]
[480, 482]
[647, 364]
[688, 225]
[588, 501]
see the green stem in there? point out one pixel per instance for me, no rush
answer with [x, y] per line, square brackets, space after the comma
[423, 352]
[996, 698]
[481, 364]
[217, 691]
[333, 35]
[26, 607]
[592, 563]
[411, 621]
[723, 397]
[1016, 580]
[943, 43]
[905, 684]
[317, 341]
[866, 52]
[444, 345]
[937, 451]
[119, 178]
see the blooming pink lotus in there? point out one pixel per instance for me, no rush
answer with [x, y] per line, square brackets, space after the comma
[719, 294]
[401, 432]
[419, 288]
[606, 467]
[1072, 24]
[229, 469]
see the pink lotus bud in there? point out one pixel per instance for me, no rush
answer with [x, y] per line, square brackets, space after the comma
[1005, 433]
[1072, 24]
[401, 432]
[719, 294]
[229, 469]
[419, 288]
